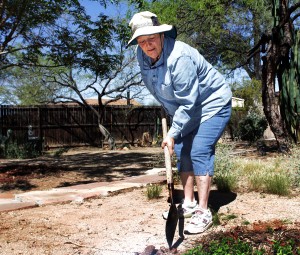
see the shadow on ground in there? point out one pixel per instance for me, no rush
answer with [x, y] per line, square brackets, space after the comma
[216, 200]
[79, 168]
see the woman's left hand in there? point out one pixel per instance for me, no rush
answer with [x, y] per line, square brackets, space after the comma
[169, 142]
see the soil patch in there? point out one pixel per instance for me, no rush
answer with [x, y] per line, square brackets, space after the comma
[127, 223]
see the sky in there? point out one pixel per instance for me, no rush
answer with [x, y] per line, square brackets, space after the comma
[94, 8]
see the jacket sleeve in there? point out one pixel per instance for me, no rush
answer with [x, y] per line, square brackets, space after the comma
[186, 90]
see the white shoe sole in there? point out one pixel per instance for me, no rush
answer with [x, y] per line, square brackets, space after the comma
[195, 231]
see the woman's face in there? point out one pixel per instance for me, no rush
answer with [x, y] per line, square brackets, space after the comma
[151, 45]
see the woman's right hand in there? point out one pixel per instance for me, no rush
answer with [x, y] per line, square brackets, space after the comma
[169, 142]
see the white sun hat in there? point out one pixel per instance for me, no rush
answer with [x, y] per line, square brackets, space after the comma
[146, 23]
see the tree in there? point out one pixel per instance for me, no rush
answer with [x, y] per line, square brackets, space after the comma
[223, 31]
[114, 85]
[277, 49]
[250, 91]
[26, 85]
[25, 27]
[70, 45]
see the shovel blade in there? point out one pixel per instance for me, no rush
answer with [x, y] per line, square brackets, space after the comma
[171, 224]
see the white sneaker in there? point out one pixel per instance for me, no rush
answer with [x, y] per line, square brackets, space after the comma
[200, 221]
[185, 210]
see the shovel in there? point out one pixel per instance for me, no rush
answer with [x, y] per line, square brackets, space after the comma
[172, 219]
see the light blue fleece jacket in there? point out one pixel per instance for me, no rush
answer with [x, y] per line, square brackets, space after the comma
[187, 86]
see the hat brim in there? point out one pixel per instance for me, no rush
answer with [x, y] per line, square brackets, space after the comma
[168, 30]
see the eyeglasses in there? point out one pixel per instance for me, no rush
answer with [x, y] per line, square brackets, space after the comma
[151, 39]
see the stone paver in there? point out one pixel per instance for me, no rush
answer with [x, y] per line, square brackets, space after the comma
[77, 193]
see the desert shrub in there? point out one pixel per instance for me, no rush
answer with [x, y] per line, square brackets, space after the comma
[252, 127]
[225, 246]
[153, 191]
[236, 115]
[224, 178]
[277, 184]
[25, 150]
[265, 176]
[59, 152]
[13, 150]
[226, 182]
[256, 182]
[291, 164]
[230, 245]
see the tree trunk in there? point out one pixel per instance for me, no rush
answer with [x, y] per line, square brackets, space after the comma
[108, 137]
[275, 62]
[270, 100]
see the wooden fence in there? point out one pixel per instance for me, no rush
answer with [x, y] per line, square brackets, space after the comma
[74, 125]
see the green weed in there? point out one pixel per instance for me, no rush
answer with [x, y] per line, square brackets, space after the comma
[256, 182]
[225, 246]
[229, 217]
[224, 178]
[153, 191]
[225, 183]
[277, 184]
[229, 245]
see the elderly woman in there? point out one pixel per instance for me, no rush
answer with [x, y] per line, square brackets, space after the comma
[198, 100]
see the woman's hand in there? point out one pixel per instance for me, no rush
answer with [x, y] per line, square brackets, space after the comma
[169, 142]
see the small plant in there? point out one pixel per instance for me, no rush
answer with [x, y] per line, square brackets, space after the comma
[249, 167]
[291, 164]
[285, 248]
[229, 245]
[60, 151]
[153, 191]
[277, 184]
[225, 246]
[215, 218]
[252, 127]
[176, 177]
[256, 182]
[224, 178]
[230, 217]
[22, 150]
[225, 183]
[245, 222]
[276, 176]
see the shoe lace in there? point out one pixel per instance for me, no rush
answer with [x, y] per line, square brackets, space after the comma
[198, 214]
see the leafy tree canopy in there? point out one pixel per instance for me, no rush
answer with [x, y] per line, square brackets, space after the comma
[223, 31]
[40, 39]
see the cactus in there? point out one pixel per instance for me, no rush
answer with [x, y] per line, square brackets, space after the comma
[290, 94]
[288, 74]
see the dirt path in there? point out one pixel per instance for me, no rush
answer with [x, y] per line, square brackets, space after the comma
[124, 224]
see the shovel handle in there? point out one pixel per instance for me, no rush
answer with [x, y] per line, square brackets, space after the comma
[168, 162]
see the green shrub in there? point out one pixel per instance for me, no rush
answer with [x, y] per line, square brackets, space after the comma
[285, 248]
[277, 184]
[256, 181]
[225, 246]
[226, 183]
[252, 127]
[153, 191]
[224, 177]
[215, 218]
[291, 164]
[275, 176]
[21, 151]
[229, 245]
[229, 217]
[60, 152]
